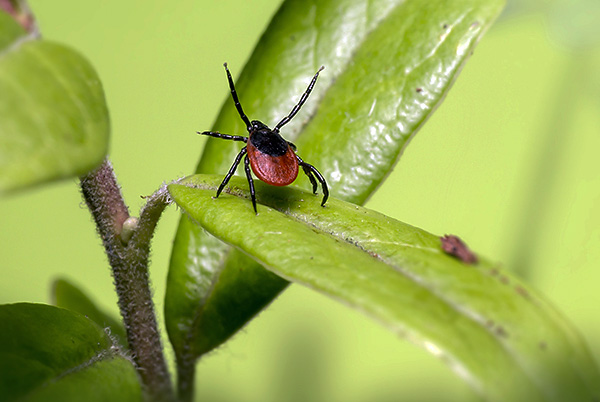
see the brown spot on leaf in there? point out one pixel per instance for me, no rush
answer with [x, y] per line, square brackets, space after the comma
[495, 328]
[500, 331]
[419, 89]
[522, 291]
[454, 246]
[373, 254]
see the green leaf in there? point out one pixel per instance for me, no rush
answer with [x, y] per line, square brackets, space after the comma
[51, 354]
[388, 65]
[70, 297]
[490, 328]
[53, 116]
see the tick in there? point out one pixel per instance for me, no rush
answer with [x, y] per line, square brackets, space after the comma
[272, 158]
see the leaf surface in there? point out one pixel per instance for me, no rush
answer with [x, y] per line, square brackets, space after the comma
[53, 116]
[51, 354]
[490, 328]
[68, 296]
[388, 65]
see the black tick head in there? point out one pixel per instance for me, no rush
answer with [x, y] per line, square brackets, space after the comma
[266, 140]
[259, 126]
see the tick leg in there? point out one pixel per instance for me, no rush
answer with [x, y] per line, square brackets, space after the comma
[310, 170]
[238, 106]
[236, 162]
[307, 172]
[303, 99]
[224, 136]
[311, 178]
[250, 183]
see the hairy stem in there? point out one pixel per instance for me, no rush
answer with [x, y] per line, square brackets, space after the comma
[129, 264]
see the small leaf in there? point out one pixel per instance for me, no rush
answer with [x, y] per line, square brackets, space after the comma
[70, 297]
[53, 116]
[491, 329]
[51, 354]
[388, 65]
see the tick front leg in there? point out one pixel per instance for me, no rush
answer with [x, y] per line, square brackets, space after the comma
[224, 136]
[236, 162]
[250, 183]
[238, 106]
[303, 99]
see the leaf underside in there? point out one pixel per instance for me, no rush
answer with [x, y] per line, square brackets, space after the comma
[68, 296]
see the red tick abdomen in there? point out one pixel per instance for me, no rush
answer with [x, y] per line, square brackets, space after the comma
[274, 170]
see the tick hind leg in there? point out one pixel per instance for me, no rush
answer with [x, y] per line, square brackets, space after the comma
[236, 162]
[309, 170]
[310, 177]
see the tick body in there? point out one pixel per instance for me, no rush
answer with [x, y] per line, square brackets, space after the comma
[272, 159]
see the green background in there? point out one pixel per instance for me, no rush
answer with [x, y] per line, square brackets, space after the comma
[508, 162]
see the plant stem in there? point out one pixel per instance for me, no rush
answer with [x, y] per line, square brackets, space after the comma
[129, 264]
[103, 197]
[186, 370]
[549, 162]
[20, 11]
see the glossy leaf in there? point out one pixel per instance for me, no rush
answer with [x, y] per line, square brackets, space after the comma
[51, 354]
[491, 329]
[53, 116]
[388, 65]
[70, 297]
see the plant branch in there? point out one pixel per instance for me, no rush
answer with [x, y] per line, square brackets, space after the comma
[186, 371]
[103, 197]
[20, 11]
[129, 264]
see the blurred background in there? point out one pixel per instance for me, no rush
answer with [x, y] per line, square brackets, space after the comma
[508, 162]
